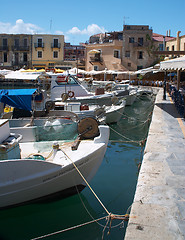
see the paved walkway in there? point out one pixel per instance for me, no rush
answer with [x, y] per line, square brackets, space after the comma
[158, 210]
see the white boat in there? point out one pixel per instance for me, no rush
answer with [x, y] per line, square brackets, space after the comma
[34, 170]
[104, 114]
[121, 90]
[44, 126]
[66, 84]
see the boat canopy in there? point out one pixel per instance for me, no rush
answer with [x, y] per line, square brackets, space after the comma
[18, 98]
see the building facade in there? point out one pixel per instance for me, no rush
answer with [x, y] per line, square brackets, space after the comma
[47, 51]
[127, 50]
[176, 44]
[137, 47]
[15, 50]
[105, 51]
[74, 56]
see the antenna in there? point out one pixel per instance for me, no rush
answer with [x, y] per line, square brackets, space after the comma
[124, 18]
[50, 25]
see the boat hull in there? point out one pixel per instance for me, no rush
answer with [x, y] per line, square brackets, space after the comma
[25, 180]
[44, 183]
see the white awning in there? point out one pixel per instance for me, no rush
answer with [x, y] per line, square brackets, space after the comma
[173, 64]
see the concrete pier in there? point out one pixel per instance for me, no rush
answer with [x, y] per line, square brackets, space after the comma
[158, 210]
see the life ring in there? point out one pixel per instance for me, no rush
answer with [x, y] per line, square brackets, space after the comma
[64, 96]
[108, 86]
[71, 94]
[49, 105]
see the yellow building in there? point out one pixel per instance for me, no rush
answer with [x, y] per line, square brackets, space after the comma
[176, 44]
[47, 51]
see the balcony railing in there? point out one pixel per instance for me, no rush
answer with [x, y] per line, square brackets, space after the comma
[4, 48]
[54, 45]
[96, 59]
[137, 44]
[19, 63]
[39, 45]
[20, 48]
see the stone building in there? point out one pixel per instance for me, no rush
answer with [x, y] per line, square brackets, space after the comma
[176, 44]
[105, 51]
[74, 56]
[15, 50]
[137, 47]
[127, 50]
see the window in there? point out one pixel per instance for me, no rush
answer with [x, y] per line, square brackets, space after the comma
[95, 68]
[5, 57]
[161, 47]
[131, 40]
[140, 41]
[140, 55]
[5, 42]
[63, 80]
[16, 58]
[16, 42]
[39, 41]
[116, 53]
[129, 64]
[173, 47]
[39, 54]
[139, 67]
[127, 54]
[55, 42]
[25, 42]
[55, 54]
[25, 57]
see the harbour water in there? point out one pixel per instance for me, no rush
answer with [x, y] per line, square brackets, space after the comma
[114, 184]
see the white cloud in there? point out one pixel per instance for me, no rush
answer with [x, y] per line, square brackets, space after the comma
[75, 31]
[90, 30]
[19, 27]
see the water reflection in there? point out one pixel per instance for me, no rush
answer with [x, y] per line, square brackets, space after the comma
[114, 183]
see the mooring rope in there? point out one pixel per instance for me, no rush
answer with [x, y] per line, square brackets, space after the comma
[68, 229]
[109, 216]
[86, 182]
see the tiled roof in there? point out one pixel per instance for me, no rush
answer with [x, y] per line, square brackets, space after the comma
[160, 38]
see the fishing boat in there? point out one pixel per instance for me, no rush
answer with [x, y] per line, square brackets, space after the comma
[33, 101]
[106, 114]
[120, 89]
[33, 170]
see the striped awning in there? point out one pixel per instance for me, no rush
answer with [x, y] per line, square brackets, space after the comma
[173, 64]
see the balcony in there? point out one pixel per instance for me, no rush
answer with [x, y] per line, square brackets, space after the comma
[20, 63]
[20, 48]
[96, 59]
[54, 45]
[4, 48]
[39, 45]
[137, 44]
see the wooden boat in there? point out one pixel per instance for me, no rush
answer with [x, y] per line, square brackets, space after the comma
[34, 170]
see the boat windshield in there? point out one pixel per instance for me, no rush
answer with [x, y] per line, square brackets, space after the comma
[63, 80]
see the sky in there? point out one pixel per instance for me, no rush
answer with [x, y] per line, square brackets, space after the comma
[78, 20]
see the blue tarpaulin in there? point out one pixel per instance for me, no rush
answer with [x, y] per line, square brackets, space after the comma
[18, 98]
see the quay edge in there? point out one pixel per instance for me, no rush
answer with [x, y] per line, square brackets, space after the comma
[158, 209]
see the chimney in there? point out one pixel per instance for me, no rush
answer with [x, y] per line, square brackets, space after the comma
[178, 41]
[164, 44]
[167, 33]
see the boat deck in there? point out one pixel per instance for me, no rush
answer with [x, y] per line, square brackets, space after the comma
[158, 210]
